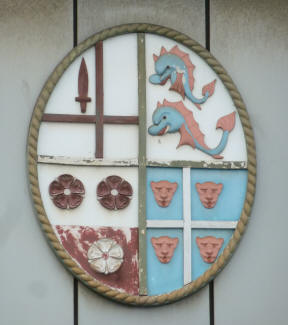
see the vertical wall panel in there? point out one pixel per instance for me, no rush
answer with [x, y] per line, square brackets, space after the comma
[189, 18]
[250, 39]
[95, 309]
[183, 15]
[35, 289]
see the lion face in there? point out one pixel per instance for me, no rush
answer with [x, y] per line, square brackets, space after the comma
[164, 247]
[209, 247]
[163, 192]
[208, 193]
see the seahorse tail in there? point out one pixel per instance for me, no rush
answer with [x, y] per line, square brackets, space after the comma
[196, 100]
[216, 151]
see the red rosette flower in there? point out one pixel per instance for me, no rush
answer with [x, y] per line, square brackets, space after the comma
[67, 192]
[114, 193]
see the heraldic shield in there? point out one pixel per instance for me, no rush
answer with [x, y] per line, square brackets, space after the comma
[142, 164]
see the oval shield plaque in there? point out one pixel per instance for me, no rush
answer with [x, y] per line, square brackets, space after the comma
[142, 164]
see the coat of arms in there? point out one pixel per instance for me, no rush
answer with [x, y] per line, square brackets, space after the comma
[142, 164]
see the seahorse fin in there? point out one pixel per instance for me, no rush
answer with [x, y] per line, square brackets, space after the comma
[178, 85]
[227, 122]
[209, 88]
[190, 66]
[186, 138]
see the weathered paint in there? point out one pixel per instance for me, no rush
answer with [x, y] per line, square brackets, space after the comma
[61, 160]
[78, 239]
[142, 161]
[184, 229]
[199, 164]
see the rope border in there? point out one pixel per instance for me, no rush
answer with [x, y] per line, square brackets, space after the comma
[33, 174]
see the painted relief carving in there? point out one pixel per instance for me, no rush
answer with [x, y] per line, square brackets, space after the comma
[146, 232]
[114, 193]
[175, 117]
[67, 192]
[208, 193]
[105, 256]
[164, 247]
[83, 98]
[77, 239]
[176, 66]
[163, 192]
[209, 247]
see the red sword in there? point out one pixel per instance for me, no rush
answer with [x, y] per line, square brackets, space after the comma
[83, 98]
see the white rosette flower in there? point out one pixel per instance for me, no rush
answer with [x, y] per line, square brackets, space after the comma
[105, 256]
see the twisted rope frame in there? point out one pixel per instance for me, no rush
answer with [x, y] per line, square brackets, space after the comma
[39, 108]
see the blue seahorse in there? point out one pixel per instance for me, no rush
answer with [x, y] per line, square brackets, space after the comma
[175, 117]
[176, 66]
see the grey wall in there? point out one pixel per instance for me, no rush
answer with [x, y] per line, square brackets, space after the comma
[250, 39]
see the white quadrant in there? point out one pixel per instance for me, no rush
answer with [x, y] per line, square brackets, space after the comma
[217, 106]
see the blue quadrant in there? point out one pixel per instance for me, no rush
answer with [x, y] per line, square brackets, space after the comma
[231, 199]
[163, 278]
[198, 265]
[174, 210]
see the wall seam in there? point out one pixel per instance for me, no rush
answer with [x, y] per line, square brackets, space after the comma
[75, 43]
[207, 45]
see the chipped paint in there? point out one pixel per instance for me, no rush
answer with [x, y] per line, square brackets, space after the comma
[199, 164]
[60, 160]
[77, 240]
[142, 160]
